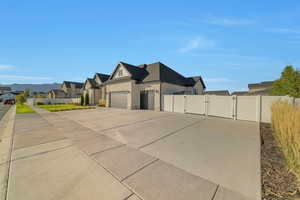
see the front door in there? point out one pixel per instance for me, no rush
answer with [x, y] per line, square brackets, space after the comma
[147, 100]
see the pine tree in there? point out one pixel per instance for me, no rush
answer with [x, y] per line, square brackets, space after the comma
[288, 84]
[81, 99]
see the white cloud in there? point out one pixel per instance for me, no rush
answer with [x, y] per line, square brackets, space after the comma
[198, 43]
[283, 30]
[218, 80]
[23, 78]
[6, 67]
[228, 21]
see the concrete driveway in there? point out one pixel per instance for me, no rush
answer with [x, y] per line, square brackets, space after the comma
[121, 154]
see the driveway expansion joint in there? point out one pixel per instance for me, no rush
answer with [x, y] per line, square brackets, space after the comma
[169, 134]
[214, 195]
[140, 169]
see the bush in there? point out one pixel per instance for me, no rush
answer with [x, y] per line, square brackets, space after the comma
[286, 125]
[81, 99]
[21, 98]
[102, 103]
[39, 103]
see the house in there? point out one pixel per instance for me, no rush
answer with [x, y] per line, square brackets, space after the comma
[262, 88]
[4, 90]
[72, 89]
[95, 88]
[68, 90]
[56, 94]
[141, 86]
[218, 92]
[240, 93]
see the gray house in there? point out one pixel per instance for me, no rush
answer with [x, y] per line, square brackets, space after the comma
[142, 86]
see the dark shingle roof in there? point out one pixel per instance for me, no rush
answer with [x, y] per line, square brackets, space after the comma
[218, 92]
[69, 83]
[240, 93]
[92, 82]
[262, 84]
[58, 92]
[157, 72]
[102, 77]
[137, 73]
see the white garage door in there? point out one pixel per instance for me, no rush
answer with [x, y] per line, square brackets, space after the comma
[118, 99]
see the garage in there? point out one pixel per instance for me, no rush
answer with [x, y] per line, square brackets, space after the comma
[147, 100]
[119, 99]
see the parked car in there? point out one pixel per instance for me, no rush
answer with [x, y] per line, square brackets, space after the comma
[9, 102]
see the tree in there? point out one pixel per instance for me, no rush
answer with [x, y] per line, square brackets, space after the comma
[81, 99]
[288, 84]
[87, 99]
[20, 98]
[27, 93]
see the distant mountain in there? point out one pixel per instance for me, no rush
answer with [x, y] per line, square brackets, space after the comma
[34, 87]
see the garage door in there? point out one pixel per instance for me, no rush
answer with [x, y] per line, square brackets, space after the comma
[118, 99]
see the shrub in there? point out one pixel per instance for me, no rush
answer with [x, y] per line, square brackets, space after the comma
[20, 98]
[81, 99]
[286, 125]
[102, 103]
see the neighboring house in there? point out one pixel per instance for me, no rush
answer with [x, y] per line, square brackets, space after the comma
[262, 88]
[240, 93]
[4, 90]
[7, 96]
[143, 86]
[95, 88]
[68, 90]
[218, 92]
[39, 94]
[72, 89]
[56, 94]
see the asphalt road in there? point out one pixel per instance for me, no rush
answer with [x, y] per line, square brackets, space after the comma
[3, 110]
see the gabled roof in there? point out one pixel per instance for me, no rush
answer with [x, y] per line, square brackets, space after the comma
[218, 92]
[260, 85]
[195, 79]
[155, 72]
[136, 73]
[57, 92]
[92, 82]
[69, 83]
[240, 93]
[102, 77]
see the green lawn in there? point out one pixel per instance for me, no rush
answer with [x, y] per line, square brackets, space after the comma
[23, 109]
[63, 107]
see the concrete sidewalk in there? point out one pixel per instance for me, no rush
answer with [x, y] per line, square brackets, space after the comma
[129, 155]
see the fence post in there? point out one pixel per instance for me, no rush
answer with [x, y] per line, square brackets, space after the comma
[206, 105]
[234, 101]
[258, 108]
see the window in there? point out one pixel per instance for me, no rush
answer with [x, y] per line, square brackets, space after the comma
[120, 72]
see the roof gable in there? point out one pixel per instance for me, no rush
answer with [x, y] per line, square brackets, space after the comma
[69, 84]
[154, 72]
[101, 77]
[120, 65]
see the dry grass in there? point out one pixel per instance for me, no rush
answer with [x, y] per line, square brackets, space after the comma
[286, 125]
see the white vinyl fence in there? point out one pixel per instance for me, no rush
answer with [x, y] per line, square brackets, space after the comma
[250, 108]
[34, 101]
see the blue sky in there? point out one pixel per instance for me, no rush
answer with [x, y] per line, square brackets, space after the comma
[229, 43]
